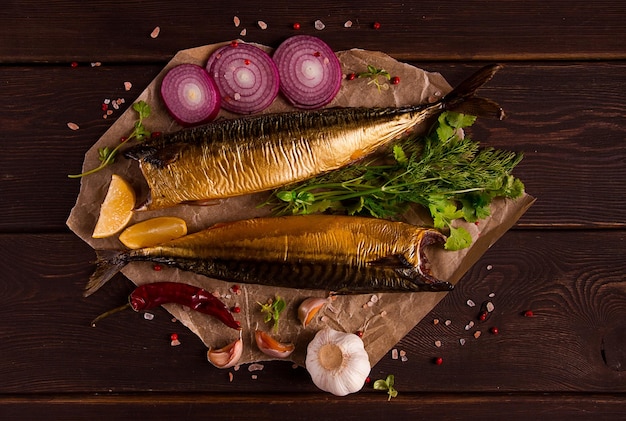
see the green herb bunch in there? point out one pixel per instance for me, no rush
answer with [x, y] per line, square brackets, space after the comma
[446, 173]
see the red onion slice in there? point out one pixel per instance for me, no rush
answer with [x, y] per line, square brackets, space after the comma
[190, 95]
[246, 77]
[310, 72]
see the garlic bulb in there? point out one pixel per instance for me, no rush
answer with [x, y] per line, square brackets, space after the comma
[337, 362]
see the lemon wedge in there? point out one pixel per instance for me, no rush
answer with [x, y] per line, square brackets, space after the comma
[153, 231]
[116, 209]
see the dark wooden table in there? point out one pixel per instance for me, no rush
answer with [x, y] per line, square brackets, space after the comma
[563, 87]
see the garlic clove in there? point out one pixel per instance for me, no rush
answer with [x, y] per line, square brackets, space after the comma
[337, 362]
[227, 356]
[271, 346]
[309, 308]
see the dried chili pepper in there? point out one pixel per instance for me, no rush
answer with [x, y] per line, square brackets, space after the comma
[148, 296]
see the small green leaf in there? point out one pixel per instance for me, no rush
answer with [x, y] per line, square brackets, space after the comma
[459, 121]
[399, 155]
[458, 239]
[286, 195]
[380, 385]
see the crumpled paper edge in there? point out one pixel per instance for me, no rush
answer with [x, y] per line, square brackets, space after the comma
[383, 322]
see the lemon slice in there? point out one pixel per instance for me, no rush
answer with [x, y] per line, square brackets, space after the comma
[116, 209]
[153, 231]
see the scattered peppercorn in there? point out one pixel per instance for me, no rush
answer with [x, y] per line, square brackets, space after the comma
[236, 309]
[296, 26]
[246, 62]
[174, 337]
[359, 333]
[351, 76]
[234, 44]
[482, 316]
[157, 268]
[395, 80]
[74, 64]
[376, 25]
[494, 330]
[438, 361]
[528, 313]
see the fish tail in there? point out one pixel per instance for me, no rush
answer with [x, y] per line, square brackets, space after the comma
[462, 98]
[108, 264]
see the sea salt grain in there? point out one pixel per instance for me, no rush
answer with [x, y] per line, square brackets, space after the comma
[469, 325]
[262, 24]
[462, 341]
[438, 344]
[394, 354]
[148, 316]
[155, 32]
[127, 86]
[348, 24]
[236, 21]
[448, 322]
[471, 303]
[255, 367]
[319, 25]
[72, 126]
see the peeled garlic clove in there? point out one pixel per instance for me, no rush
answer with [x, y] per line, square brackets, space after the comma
[271, 346]
[337, 362]
[227, 356]
[309, 308]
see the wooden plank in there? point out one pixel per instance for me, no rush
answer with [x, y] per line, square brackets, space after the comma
[566, 118]
[571, 280]
[513, 407]
[63, 31]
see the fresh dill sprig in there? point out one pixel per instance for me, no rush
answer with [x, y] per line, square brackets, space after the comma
[448, 174]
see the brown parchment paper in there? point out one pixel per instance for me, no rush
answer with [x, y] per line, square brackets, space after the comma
[385, 322]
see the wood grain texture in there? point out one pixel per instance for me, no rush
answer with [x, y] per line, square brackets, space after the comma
[567, 118]
[417, 406]
[577, 293]
[444, 30]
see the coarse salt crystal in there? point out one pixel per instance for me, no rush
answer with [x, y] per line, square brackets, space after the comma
[383, 313]
[489, 267]
[127, 86]
[404, 358]
[402, 353]
[370, 304]
[319, 25]
[477, 334]
[106, 101]
[96, 64]
[175, 342]
[469, 325]
[72, 126]
[155, 32]
[471, 303]
[462, 341]
[348, 24]
[243, 32]
[230, 376]
[435, 321]
[394, 354]
[236, 21]
[254, 377]
[148, 316]
[438, 344]
[374, 298]
[448, 322]
[262, 24]
[255, 367]
[490, 307]
[493, 294]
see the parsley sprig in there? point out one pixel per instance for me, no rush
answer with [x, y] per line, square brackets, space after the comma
[444, 172]
[272, 310]
[373, 73]
[107, 155]
[387, 384]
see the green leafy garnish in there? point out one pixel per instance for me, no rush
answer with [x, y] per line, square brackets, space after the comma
[447, 174]
[107, 155]
[373, 73]
[272, 310]
[386, 384]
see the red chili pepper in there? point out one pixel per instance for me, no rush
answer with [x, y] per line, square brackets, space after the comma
[149, 296]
